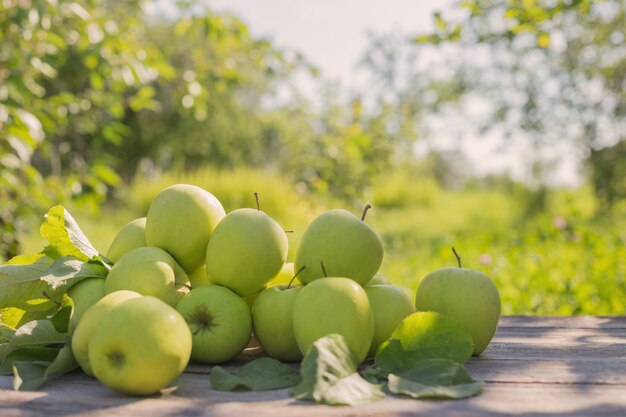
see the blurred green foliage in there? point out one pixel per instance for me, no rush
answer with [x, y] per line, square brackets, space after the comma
[103, 105]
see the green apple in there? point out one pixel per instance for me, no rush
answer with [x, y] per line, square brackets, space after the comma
[272, 321]
[84, 294]
[131, 236]
[390, 306]
[284, 276]
[181, 220]
[148, 271]
[379, 279]
[345, 245]
[199, 278]
[247, 249]
[90, 321]
[140, 347]
[219, 321]
[333, 305]
[466, 295]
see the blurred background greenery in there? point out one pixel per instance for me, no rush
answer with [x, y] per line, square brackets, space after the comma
[102, 105]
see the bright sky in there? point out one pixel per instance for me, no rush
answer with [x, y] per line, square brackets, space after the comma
[332, 34]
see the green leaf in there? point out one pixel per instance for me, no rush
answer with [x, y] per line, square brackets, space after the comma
[28, 376]
[65, 236]
[435, 378]
[19, 283]
[28, 354]
[259, 375]
[329, 375]
[424, 335]
[67, 271]
[37, 333]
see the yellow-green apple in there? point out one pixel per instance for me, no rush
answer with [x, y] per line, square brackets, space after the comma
[148, 271]
[181, 220]
[219, 321]
[199, 278]
[131, 236]
[333, 305]
[140, 346]
[466, 295]
[284, 276]
[379, 279]
[247, 249]
[272, 321]
[84, 294]
[338, 244]
[89, 322]
[390, 306]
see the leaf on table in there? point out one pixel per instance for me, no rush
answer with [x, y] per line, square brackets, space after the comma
[435, 378]
[329, 375]
[30, 375]
[65, 236]
[424, 335]
[262, 374]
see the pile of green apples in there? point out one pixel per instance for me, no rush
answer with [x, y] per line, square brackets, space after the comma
[192, 282]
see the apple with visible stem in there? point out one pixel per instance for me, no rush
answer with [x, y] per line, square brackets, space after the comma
[345, 244]
[140, 347]
[466, 295]
[390, 305]
[84, 294]
[272, 321]
[131, 236]
[148, 271]
[333, 305]
[181, 220]
[247, 249]
[90, 321]
[219, 321]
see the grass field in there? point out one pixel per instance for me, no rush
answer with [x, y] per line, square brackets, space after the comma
[562, 260]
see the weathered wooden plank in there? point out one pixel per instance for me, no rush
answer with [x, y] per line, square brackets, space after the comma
[581, 322]
[535, 366]
[193, 397]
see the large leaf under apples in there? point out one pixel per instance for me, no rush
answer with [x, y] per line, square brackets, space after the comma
[435, 378]
[329, 376]
[424, 335]
[262, 374]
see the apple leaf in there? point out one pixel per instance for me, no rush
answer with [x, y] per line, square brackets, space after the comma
[65, 236]
[435, 378]
[262, 374]
[28, 354]
[329, 375]
[36, 333]
[19, 283]
[29, 375]
[424, 335]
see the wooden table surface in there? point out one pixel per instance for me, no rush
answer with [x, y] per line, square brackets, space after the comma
[535, 366]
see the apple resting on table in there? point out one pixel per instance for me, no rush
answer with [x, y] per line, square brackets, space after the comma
[466, 295]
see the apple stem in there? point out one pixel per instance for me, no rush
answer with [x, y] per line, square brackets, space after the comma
[288, 231]
[458, 258]
[367, 207]
[45, 294]
[256, 197]
[294, 277]
[323, 269]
